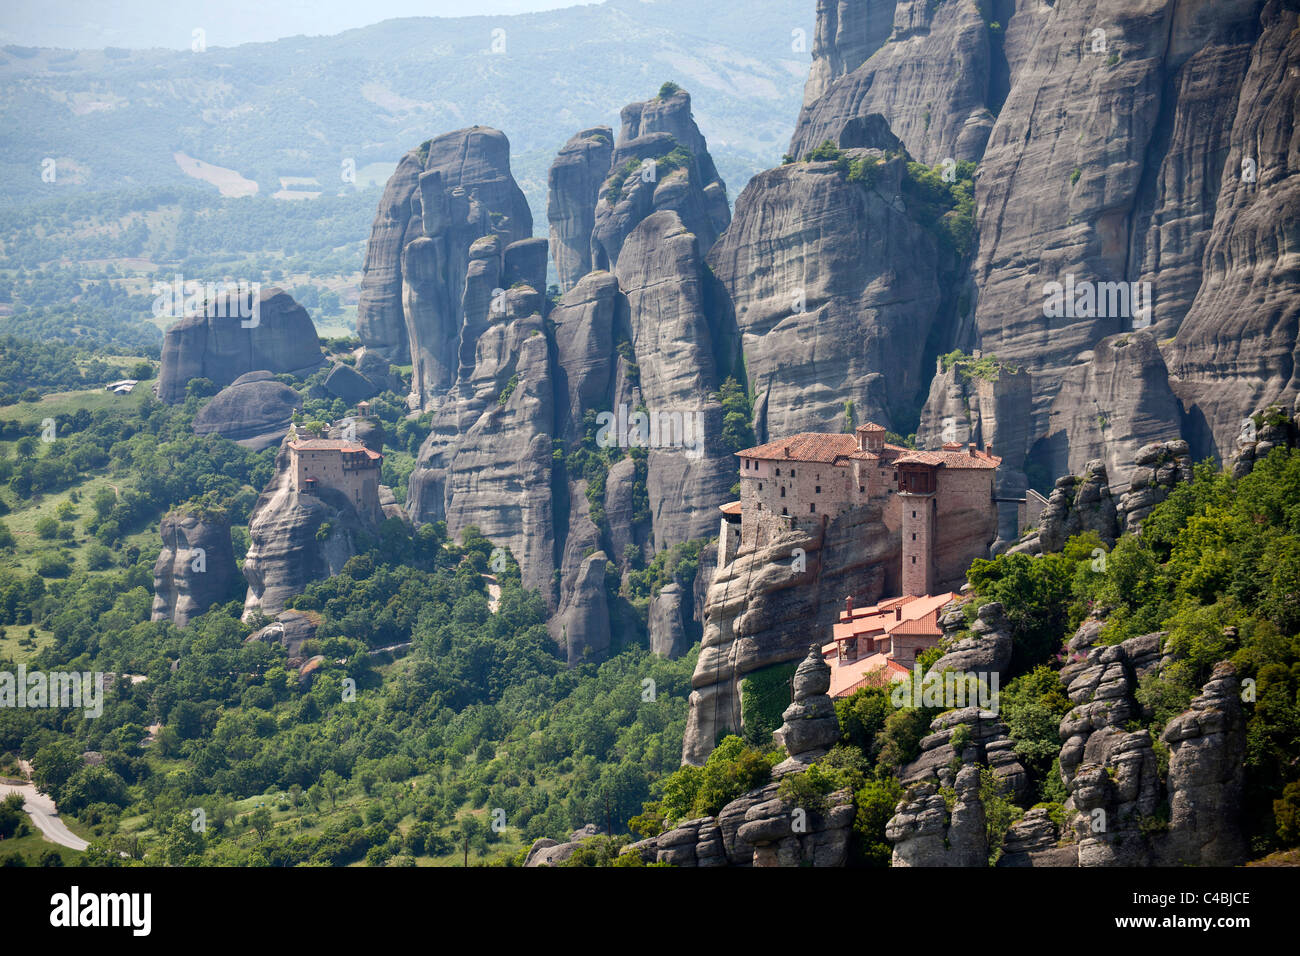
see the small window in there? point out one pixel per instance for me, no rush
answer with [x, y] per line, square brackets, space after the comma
[914, 559]
[782, 491]
[862, 488]
[791, 472]
[760, 486]
[812, 508]
[778, 473]
[913, 535]
[784, 511]
[819, 490]
[913, 514]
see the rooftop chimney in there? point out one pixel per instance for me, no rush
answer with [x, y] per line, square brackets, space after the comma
[898, 613]
[848, 607]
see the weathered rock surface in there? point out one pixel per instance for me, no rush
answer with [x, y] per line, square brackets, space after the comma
[835, 289]
[196, 567]
[347, 383]
[487, 461]
[254, 411]
[668, 609]
[689, 472]
[986, 649]
[1161, 467]
[987, 741]
[929, 72]
[573, 189]
[1109, 407]
[582, 625]
[926, 833]
[809, 726]
[279, 338]
[1267, 429]
[453, 191]
[761, 606]
[1236, 349]
[648, 177]
[1207, 772]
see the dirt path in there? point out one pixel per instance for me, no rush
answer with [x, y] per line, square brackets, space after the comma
[494, 592]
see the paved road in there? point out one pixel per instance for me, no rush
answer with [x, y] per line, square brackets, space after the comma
[44, 814]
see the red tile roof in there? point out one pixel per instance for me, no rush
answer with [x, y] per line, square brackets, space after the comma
[730, 508]
[883, 618]
[333, 444]
[816, 447]
[949, 459]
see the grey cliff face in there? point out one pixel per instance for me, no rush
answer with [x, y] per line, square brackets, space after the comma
[487, 461]
[573, 189]
[651, 173]
[444, 197]
[762, 605]
[196, 567]
[835, 289]
[280, 338]
[926, 66]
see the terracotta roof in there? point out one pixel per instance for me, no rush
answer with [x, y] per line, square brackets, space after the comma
[927, 626]
[333, 444]
[815, 447]
[883, 618]
[949, 459]
[848, 676]
[730, 508]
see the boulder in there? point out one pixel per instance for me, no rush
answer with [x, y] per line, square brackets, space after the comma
[253, 411]
[280, 337]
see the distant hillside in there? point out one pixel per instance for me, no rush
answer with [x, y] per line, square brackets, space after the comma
[301, 106]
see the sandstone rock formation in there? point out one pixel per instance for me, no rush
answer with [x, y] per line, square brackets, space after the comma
[277, 337]
[926, 833]
[928, 67]
[487, 461]
[582, 625]
[986, 649]
[446, 195]
[1268, 429]
[660, 162]
[668, 636]
[573, 189]
[985, 740]
[253, 411]
[196, 567]
[761, 607]
[809, 726]
[1207, 771]
[762, 828]
[1108, 408]
[835, 289]
[297, 538]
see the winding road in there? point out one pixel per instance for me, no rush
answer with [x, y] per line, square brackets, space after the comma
[44, 814]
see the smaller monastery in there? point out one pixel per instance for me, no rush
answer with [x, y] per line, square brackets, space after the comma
[347, 467]
[878, 644]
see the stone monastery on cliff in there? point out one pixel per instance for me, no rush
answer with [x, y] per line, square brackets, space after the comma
[939, 503]
[347, 467]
